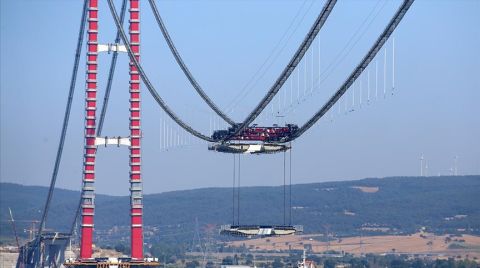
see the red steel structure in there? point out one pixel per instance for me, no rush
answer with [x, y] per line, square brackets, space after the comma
[135, 136]
[88, 196]
[275, 134]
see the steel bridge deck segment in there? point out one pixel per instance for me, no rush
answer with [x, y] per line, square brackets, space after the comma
[260, 230]
[112, 262]
[249, 148]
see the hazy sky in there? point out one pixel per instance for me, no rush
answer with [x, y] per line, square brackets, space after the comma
[434, 109]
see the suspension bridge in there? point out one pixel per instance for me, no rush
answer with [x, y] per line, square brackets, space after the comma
[246, 136]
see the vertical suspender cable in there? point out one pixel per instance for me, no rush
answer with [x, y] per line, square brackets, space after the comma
[291, 92]
[339, 109]
[271, 106]
[312, 71]
[279, 102]
[353, 95]
[162, 123]
[376, 79]
[284, 191]
[233, 190]
[393, 64]
[172, 138]
[165, 133]
[298, 84]
[305, 70]
[361, 92]
[209, 123]
[385, 73]
[319, 60]
[160, 132]
[162, 120]
[238, 193]
[368, 86]
[178, 137]
[290, 187]
[285, 96]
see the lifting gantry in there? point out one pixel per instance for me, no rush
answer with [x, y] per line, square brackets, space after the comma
[253, 140]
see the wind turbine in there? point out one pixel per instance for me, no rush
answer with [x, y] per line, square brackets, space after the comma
[455, 167]
[421, 165]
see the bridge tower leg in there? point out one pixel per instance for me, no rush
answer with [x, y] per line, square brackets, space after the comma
[88, 197]
[136, 200]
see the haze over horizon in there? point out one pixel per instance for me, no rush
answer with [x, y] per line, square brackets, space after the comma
[229, 187]
[434, 110]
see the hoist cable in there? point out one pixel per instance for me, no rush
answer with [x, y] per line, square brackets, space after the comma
[284, 190]
[233, 190]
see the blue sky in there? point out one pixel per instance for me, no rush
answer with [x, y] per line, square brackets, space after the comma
[434, 109]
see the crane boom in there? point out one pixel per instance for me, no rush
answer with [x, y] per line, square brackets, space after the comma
[14, 227]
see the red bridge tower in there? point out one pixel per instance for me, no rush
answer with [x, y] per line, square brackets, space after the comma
[91, 142]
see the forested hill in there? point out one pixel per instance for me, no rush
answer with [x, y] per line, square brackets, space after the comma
[368, 206]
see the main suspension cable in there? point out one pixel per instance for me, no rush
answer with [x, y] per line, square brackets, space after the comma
[272, 92]
[297, 57]
[397, 18]
[147, 82]
[184, 68]
[66, 118]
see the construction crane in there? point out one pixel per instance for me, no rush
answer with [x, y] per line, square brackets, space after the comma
[31, 230]
[14, 228]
